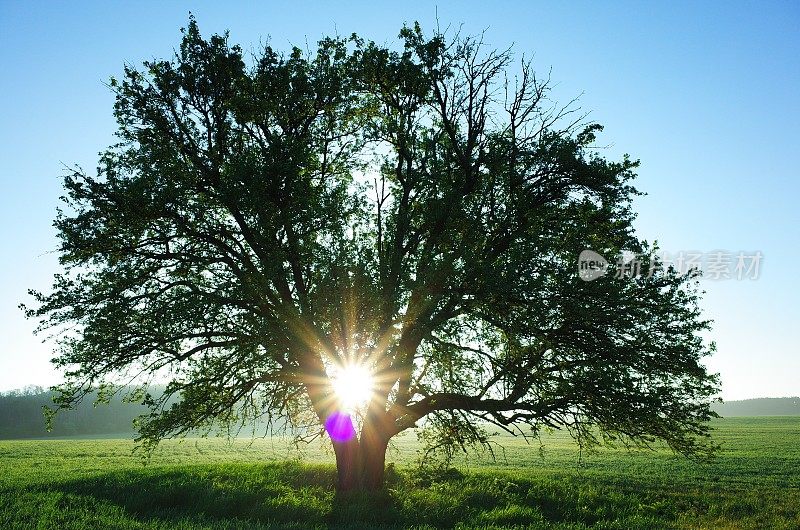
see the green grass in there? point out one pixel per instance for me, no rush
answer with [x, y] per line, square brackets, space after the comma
[60, 484]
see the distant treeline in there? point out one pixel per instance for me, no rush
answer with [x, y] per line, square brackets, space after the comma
[21, 416]
[788, 406]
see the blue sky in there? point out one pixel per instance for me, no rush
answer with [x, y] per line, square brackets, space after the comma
[705, 94]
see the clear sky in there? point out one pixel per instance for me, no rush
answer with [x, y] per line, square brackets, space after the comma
[704, 93]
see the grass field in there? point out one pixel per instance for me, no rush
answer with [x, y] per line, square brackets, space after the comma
[210, 483]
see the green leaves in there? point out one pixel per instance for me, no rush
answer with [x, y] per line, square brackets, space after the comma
[411, 209]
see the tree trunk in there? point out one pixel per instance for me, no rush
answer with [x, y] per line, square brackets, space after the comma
[360, 464]
[347, 465]
[373, 459]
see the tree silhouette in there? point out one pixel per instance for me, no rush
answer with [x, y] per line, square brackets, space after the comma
[417, 214]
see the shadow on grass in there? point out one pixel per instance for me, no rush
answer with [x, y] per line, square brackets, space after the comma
[291, 495]
[247, 496]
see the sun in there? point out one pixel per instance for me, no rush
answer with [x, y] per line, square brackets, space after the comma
[353, 385]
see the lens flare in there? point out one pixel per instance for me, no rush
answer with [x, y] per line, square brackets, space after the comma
[340, 427]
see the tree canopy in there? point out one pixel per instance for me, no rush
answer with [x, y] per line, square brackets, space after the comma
[265, 221]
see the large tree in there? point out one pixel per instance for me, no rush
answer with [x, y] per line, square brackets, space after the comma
[412, 216]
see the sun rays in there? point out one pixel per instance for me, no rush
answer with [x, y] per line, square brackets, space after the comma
[354, 386]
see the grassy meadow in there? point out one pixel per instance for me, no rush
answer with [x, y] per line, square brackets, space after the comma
[214, 483]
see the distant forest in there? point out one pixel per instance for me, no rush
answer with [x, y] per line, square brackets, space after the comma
[788, 406]
[21, 414]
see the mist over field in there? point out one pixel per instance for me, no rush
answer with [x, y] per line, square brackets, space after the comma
[21, 415]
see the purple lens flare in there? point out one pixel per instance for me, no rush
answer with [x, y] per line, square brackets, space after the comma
[340, 427]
